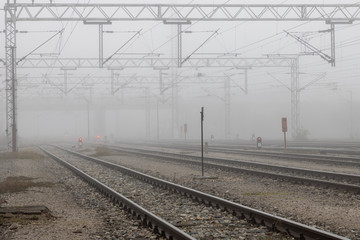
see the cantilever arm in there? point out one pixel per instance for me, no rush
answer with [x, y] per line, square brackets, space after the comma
[21, 59]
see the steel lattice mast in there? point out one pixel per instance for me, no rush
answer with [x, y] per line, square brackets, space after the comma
[11, 82]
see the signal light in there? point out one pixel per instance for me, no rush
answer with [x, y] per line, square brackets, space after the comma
[259, 142]
[80, 139]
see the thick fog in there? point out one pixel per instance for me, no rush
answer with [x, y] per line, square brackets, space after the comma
[153, 103]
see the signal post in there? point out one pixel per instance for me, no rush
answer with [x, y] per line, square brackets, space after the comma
[284, 130]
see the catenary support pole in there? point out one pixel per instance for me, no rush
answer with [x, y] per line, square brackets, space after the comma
[11, 80]
[332, 31]
[101, 46]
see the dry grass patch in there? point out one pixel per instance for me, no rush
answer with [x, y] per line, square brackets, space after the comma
[19, 184]
[24, 154]
[12, 217]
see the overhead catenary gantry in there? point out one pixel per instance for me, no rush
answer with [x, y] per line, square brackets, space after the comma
[103, 13]
[160, 63]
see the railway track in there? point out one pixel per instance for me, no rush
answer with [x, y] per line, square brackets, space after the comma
[333, 160]
[345, 182]
[346, 149]
[321, 159]
[307, 149]
[158, 225]
[299, 231]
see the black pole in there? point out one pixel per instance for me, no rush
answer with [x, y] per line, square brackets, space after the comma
[202, 141]
[157, 121]
[14, 103]
[88, 121]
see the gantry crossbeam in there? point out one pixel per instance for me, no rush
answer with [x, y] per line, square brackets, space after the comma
[153, 62]
[190, 12]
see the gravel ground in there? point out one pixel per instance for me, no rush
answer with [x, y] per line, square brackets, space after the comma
[87, 215]
[76, 210]
[310, 205]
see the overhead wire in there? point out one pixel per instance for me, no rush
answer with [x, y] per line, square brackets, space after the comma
[315, 36]
[294, 28]
[191, 25]
[66, 41]
[157, 24]
[245, 22]
[274, 35]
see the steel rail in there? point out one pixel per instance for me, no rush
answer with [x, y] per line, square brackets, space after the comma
[158, 225]
[334, 151]
[344, 161]
[252, 148]
[336, 185]
[275, 223]
[316, 145]
[338, 159]
[309, 172]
